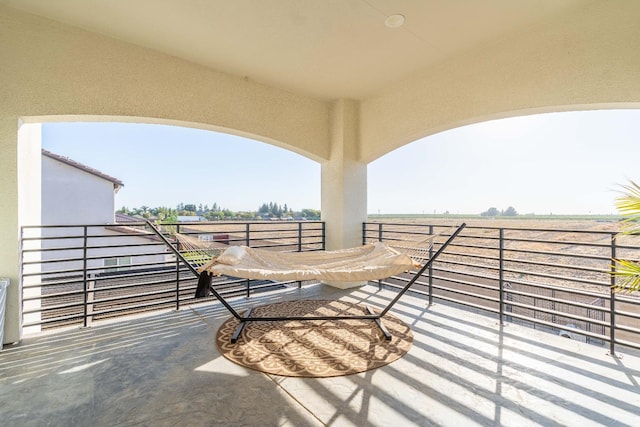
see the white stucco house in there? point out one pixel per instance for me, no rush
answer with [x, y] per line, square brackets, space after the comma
[81, 238]
[73, 193]
[77, 194]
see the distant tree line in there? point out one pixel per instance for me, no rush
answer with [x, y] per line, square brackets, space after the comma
[214, 212]
[510, 211]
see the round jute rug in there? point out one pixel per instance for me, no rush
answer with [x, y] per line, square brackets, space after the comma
[314, 348]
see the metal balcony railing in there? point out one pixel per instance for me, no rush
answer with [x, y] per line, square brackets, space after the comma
[556, 280]
[77, 274]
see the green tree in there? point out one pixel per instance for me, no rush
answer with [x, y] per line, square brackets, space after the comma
[491, 212]
[510, 212]
[310, 214]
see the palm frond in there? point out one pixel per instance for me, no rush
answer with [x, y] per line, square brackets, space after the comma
[628, 204]
[628, 273]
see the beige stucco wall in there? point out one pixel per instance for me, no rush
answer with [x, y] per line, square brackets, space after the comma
[587, 59]
[52, 69]
[344, 179]
[9, 227]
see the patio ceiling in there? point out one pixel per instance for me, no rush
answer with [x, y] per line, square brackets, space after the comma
[328, 49]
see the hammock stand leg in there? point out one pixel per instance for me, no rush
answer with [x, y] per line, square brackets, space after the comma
[204, 283]
[240, 327]
[378, 320]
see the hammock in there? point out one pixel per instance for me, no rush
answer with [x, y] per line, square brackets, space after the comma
[347, 261]
[368, 262]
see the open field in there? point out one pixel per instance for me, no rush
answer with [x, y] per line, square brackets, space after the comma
[559, 222]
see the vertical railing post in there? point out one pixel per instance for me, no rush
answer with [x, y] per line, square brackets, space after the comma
[380, 240]
[612, 302]
[431, 269]
[324, 236]
[177, 271]
[501, 276]
[85, 277]
[299, 247]
[247, 230]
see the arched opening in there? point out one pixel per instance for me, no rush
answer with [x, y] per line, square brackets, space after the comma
[87, 171]
[168, 165]
[567, 163]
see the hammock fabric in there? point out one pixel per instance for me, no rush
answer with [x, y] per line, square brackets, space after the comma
[368, 262]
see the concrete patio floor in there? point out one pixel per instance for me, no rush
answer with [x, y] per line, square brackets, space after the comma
[463, 369]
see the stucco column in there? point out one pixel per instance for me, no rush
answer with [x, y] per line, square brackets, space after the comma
[20, 205]
[344, 180]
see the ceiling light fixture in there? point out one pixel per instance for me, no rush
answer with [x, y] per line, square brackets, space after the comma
[394, 21]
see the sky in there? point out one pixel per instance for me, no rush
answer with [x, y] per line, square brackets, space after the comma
[555, 163]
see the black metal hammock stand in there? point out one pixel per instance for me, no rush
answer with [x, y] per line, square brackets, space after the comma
[205, 281]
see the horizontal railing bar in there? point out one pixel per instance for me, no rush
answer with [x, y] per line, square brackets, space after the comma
[138, 285]
[447, 261]
[131, 297]
[468, 304]
[180, 224]
[165, 302]
[558, 326]
[629, 314]
[559, 266]
[526, 251]
[627, 328]
[53, 307]
[141, 233]
[564, 315]
[557, 242]
[604, 296]
[53, 284]
[44, 297]
[467, 283]
[68, 272]
[559, 254]
[170, 270]
[557, 300]
[464, 273]
[95, 258]
[58, 319]
[79, 248]
[403, 280]
[633, 298]
[78, 278]
[561, 278]
[629, 344]
[469, 294]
